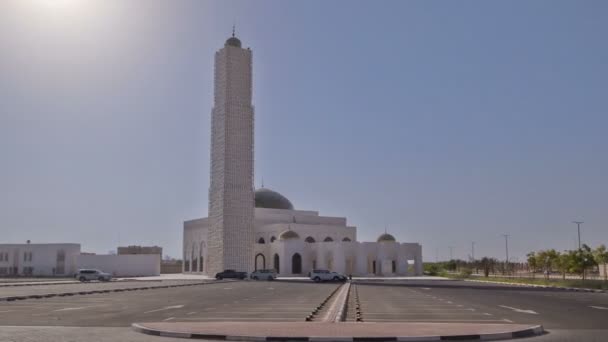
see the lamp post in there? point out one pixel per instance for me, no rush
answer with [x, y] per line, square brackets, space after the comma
[578, 226]
[506, 250]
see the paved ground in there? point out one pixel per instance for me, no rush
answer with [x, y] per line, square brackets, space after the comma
[568, 316]
[7, 291]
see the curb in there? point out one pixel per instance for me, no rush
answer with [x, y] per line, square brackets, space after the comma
[576, 289]
[533, 331]
[63, 294]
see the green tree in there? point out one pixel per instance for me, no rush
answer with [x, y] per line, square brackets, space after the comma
[562, 263]
[600, 254]
[581, 260]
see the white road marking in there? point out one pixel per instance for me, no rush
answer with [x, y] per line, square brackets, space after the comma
[165, 308]
[532, 312]
[78, 308]
[507, 320]
[271, 288]
[6, 311]
[598, 307]
[168, 319]
[487, 314]
[191, 313]
[449, 302]
[426, 288]
[227, 288]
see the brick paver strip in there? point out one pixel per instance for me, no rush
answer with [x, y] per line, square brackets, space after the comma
[283, 331]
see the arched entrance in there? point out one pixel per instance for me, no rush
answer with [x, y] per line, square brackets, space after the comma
[276, 263]
[260, 262]
[296, 264]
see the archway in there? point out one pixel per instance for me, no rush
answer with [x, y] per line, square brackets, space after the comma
[276, 263]
[328, 239]
[310, 239]
[346, 239]
[201, 260]
[260, 262]
[261, 240]
[272, 239]
[296, 264]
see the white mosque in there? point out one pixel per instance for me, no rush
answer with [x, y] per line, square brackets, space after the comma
[247, 229]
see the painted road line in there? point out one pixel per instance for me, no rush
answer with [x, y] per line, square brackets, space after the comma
[77, 308]
[165, 308]
[531, 312]
[168, 319]
[191, 313]
[598, 307]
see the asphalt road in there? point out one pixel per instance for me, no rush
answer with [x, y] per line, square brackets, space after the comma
[568, 316]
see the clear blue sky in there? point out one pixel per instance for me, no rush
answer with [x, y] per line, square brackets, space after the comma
[448, 121]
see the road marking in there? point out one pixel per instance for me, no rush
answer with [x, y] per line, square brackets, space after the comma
[507, 320]
[532, 312]
[598, 307]
[271, 288]
[168, 319]
[449, 302]
[165, 308]
[78, 308]
[191, 313]
[6, 311]
[227, 288]
[426, 288]
[487, 314]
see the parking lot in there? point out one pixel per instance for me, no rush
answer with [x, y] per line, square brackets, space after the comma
[227, 301]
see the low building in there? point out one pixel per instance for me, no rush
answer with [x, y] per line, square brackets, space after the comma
[64, 259]
[39, 259]
[140, 250]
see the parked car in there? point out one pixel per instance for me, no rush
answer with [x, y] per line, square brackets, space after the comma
[325, 275]
[264, 275]
[92, 274]
[230, 274]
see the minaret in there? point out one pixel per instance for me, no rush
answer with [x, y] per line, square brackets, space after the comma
[231, 198]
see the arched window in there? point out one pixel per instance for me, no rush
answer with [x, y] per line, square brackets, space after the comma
[272, 239]
[260, 262]
[328, 239]
[261, 240]
[346, 239]
[310, 239]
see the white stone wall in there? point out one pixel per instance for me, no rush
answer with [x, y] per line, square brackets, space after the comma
[44, 259]
[126, 265]
[231, 198]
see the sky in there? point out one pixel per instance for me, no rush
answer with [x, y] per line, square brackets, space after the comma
[444, 122]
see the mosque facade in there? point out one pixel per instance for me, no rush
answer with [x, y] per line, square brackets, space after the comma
[249, 229]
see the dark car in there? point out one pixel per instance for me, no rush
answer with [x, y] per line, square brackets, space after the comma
[231, 274]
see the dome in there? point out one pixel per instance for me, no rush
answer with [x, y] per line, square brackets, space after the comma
[233, 41]
[266, 198]
[289, 235]
[386, 238]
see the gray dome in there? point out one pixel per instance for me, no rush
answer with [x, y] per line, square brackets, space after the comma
[289, 235]
[266, 198]
[233, 41]
[386, 238]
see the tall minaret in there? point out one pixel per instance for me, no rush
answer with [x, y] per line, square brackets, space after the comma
[231, 199]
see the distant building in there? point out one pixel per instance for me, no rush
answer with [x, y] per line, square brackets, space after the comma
[38, 259]
[140, 250]
[64, 259]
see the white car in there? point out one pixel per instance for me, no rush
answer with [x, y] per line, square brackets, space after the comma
[91, 274]
[264, 275]
[325, 275]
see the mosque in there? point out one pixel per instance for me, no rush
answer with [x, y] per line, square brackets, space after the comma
[251, 229]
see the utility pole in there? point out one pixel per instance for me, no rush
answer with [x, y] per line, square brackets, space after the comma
[473, 250]
[578, 226]
[451, 252]
[506, 250]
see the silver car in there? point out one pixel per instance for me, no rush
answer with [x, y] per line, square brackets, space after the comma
[264, 275]
[92, 274]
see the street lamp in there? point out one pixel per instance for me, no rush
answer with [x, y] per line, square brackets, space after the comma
[578, 226]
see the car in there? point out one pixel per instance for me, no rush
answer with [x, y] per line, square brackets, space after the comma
[264, 274]
[228, 274]
[325, 275]
[92, 274]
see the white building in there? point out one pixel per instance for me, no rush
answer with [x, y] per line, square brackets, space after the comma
[38, 259]
[64, 259]
[249, 230]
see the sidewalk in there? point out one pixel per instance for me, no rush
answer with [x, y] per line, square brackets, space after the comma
[285, 331]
